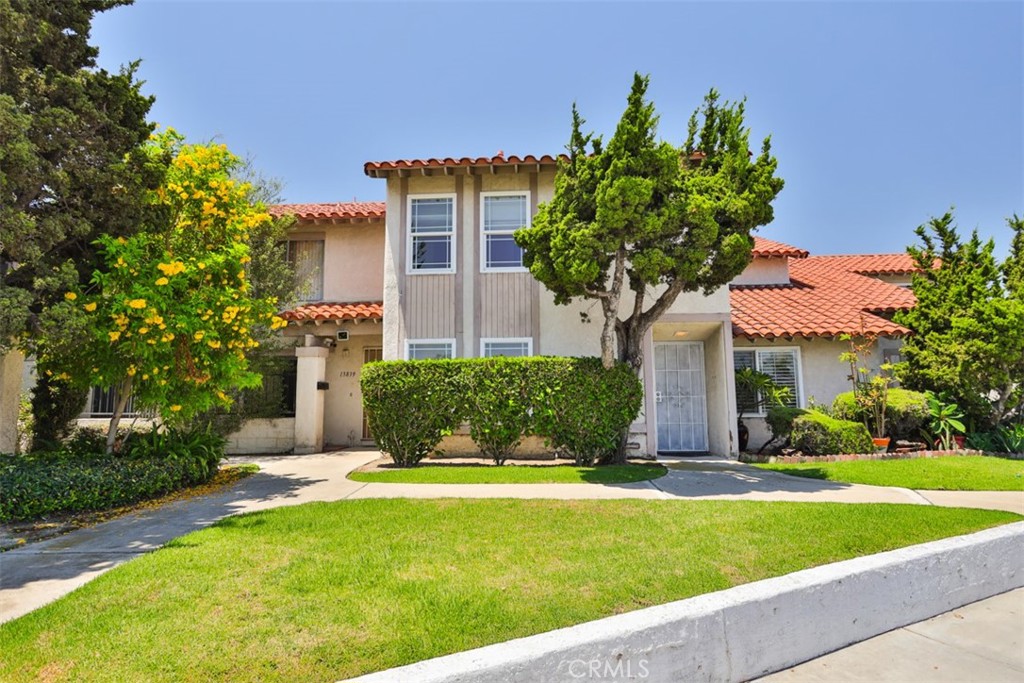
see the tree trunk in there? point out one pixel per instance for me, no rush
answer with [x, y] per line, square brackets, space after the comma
[121, 396]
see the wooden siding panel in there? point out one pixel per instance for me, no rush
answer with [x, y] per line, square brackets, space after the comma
[507, 305]
[430, 310]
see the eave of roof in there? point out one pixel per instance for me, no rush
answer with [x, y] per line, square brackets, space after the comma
[770, 248]
[469, 165]
[337, 211]
[321, 312]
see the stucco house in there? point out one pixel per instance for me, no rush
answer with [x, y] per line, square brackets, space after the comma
[433, 272]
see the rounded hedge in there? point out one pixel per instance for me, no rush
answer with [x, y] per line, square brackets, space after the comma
[815, 433]
[580, 408]
[906, 412]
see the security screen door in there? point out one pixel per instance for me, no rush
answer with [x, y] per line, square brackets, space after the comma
[680, 396]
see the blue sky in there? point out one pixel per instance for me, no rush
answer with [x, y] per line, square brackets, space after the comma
[881, 114]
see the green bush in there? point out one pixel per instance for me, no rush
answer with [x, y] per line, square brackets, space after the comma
[412, 405]
[1008, 439]
[580, 408]
[498, 405]
[906, 413]
[583, 409]
[75, 479]
[815, 433]
[780, 421]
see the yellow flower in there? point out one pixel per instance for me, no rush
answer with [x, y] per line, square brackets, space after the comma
[175, 408]
[70, 296]
[131, 371]
[201, 265]
[198, 336]
[145, 377]
[161, 281]
[114, 336]
[213, 344]
[143, 330]
[167, 337]
[137, 303]
[91, 306]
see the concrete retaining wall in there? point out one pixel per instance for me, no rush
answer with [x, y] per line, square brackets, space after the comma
[263, 436]
[754, 629]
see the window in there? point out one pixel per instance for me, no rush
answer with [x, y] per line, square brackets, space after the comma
[503, 214]
[506, 347]
[307, 259]
[103, 401]
[431, 228]
[782, 365]
[428, 349]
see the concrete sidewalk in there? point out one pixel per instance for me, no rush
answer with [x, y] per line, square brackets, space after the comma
[983, 641]
[41, 572]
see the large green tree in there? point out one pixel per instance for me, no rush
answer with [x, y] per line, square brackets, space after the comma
[635, 224]
[967, 322]
[71, 168]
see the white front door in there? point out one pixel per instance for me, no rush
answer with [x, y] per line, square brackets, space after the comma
[680, 396]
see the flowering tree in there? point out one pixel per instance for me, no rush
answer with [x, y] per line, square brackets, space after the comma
[169, 317]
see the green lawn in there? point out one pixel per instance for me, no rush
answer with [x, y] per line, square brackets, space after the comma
[512, 474]
[325, 591]
[952, 473]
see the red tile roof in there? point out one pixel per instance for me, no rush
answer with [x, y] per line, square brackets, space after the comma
[871, 264]
[828, 296]
[331, 211]
[378, 168]
[370, 310]
[764, 247]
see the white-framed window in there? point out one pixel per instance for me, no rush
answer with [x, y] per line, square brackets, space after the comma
[306, 257]
[781, 364]
[429, 349]
[506, 346]
[501, 214]
[431, 234]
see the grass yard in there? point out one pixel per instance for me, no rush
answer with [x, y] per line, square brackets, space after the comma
[512, 474]
[326, 591]
[952, 473]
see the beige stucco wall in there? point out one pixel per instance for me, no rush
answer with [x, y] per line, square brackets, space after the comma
[822, 374]
[11, 372]
[764, 271]
[343, 402]
[353, 259]
[263, 436]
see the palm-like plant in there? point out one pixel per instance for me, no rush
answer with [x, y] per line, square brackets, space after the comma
[946, 420]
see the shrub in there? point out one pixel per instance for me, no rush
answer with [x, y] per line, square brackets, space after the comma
[905, 415]
[815, 433]
[412, 405]
[580, 408]
[583, 409]
[498, 405]
[1008, 439]
[780, 421]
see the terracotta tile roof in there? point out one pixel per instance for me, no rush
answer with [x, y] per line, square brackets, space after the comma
[871, 264]
[764, 247]
[330, 211]
[369, 310]
[378, 168]
[827, 297]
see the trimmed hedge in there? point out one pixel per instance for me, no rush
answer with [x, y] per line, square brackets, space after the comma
[71, 480]
[906, 413]
[579, 407]
[815, 433]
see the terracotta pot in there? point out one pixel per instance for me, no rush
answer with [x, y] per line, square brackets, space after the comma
[959, 441]
[881, 445]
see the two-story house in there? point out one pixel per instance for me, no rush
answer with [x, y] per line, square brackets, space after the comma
[433, 272]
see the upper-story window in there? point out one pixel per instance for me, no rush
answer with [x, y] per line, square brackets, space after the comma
[432, 234]
[306, 257]
[429, 349]
[503, 214]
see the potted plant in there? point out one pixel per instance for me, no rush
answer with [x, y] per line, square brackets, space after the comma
[761, 392]
[946, 425]
[870, 390]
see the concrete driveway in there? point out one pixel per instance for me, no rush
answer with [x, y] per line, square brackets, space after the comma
[41, 572]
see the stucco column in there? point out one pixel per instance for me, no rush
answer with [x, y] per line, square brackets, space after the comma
[10, 398]
[309, 401]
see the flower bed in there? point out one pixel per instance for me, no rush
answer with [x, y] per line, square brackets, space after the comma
[846, 457]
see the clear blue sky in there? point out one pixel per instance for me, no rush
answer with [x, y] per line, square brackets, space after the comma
[881, 114]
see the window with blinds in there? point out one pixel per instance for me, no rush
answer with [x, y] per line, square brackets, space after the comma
[307, 260]
[782, 365]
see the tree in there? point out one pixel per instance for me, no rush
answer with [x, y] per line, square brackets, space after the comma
[71, 168]
[659, 219]
[169, 318]
[967, 342]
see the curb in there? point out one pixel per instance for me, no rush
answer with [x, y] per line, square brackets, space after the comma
[753, 629]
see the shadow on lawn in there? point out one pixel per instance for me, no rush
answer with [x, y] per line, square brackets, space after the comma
[76, 556]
